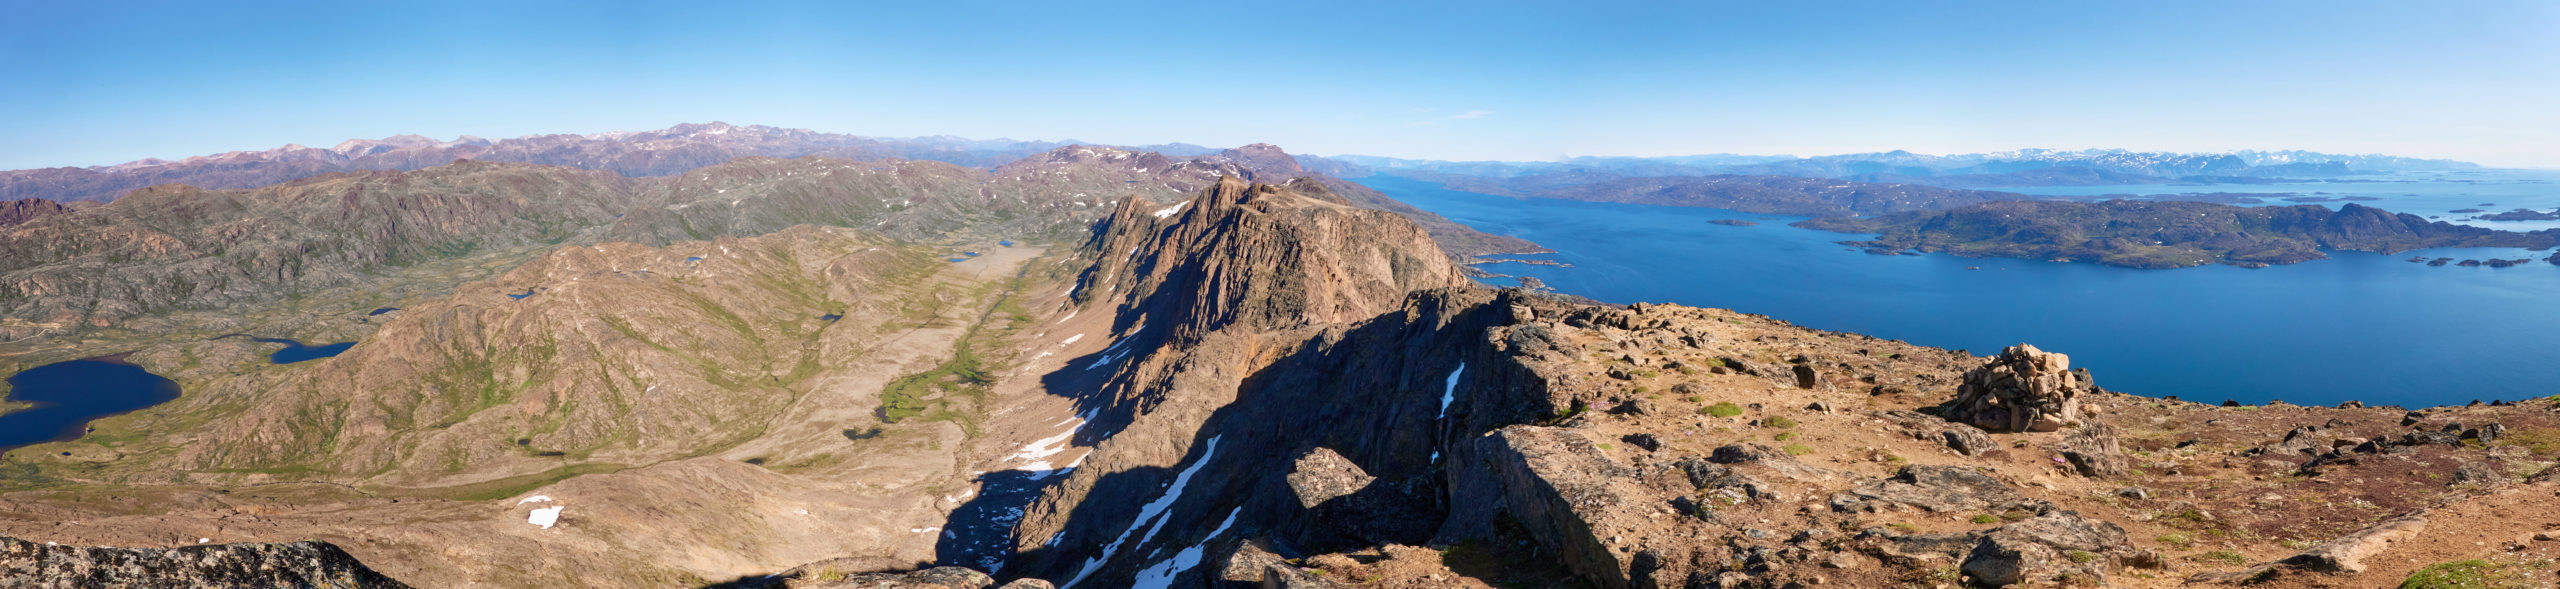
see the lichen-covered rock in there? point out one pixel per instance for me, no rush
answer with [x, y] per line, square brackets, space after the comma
[1588, 509]
[2053, 545]
[2022, 389]
[1942, 489]
[300, 565]
[1341, 502]
[932, 578]
[1246, 566]
[1323, 475]
[2093, 451]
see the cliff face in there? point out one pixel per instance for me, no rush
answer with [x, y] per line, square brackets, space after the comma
[1205, 293]
[1259, 257]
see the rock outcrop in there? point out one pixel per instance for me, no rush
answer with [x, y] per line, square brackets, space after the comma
[2022, 389]
[300, 565]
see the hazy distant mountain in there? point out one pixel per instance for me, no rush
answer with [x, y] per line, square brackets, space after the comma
[2025, 167]
[663, 152]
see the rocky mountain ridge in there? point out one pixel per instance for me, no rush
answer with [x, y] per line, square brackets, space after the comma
[183, 258]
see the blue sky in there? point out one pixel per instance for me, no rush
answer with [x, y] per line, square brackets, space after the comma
[99, 82]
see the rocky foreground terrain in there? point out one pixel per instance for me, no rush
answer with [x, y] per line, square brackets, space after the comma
[1259, 385]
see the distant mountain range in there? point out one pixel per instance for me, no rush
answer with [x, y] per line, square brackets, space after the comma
[681, 148]
[663, 152]
[2026, 167]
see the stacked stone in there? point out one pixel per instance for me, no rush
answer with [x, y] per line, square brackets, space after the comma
[2023, 389]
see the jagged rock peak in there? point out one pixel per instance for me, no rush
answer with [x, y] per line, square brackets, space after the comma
[22, 210]
[1264, 255]
[1265, 159]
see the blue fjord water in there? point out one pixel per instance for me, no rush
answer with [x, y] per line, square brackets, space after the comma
[66, 396]
[2357, 326]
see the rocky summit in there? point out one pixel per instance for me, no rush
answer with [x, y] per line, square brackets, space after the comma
[1099, 367]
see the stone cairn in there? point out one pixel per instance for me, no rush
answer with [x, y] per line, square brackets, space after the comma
[2022, 389]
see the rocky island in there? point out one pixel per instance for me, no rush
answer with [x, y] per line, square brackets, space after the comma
[2165, 234]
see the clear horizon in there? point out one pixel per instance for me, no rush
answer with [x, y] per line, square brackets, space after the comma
[109, 82]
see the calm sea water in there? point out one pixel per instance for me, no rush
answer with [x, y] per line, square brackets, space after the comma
[2357, 326]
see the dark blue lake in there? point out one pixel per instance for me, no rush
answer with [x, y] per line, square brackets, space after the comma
[68, 395]
[2357, 326]
[295, 351]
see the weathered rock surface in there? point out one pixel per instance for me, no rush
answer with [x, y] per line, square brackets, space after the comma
[2094, 451]
[1942, 489]
[2046, 547]
[1575, 499]
[301, 565]
[932, 578]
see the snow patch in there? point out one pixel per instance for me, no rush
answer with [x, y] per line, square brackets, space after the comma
[1047, 447]
[1451, 394]
[1161, 575]
[1149, 511]
[1072, 340]
[544, 516]
[1169, 211]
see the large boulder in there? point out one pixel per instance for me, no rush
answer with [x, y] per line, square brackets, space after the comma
[2022, 389]
[1323, 475]
[2094, 451]
[1589, 510]
[2049, 546]
[1345, 508]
